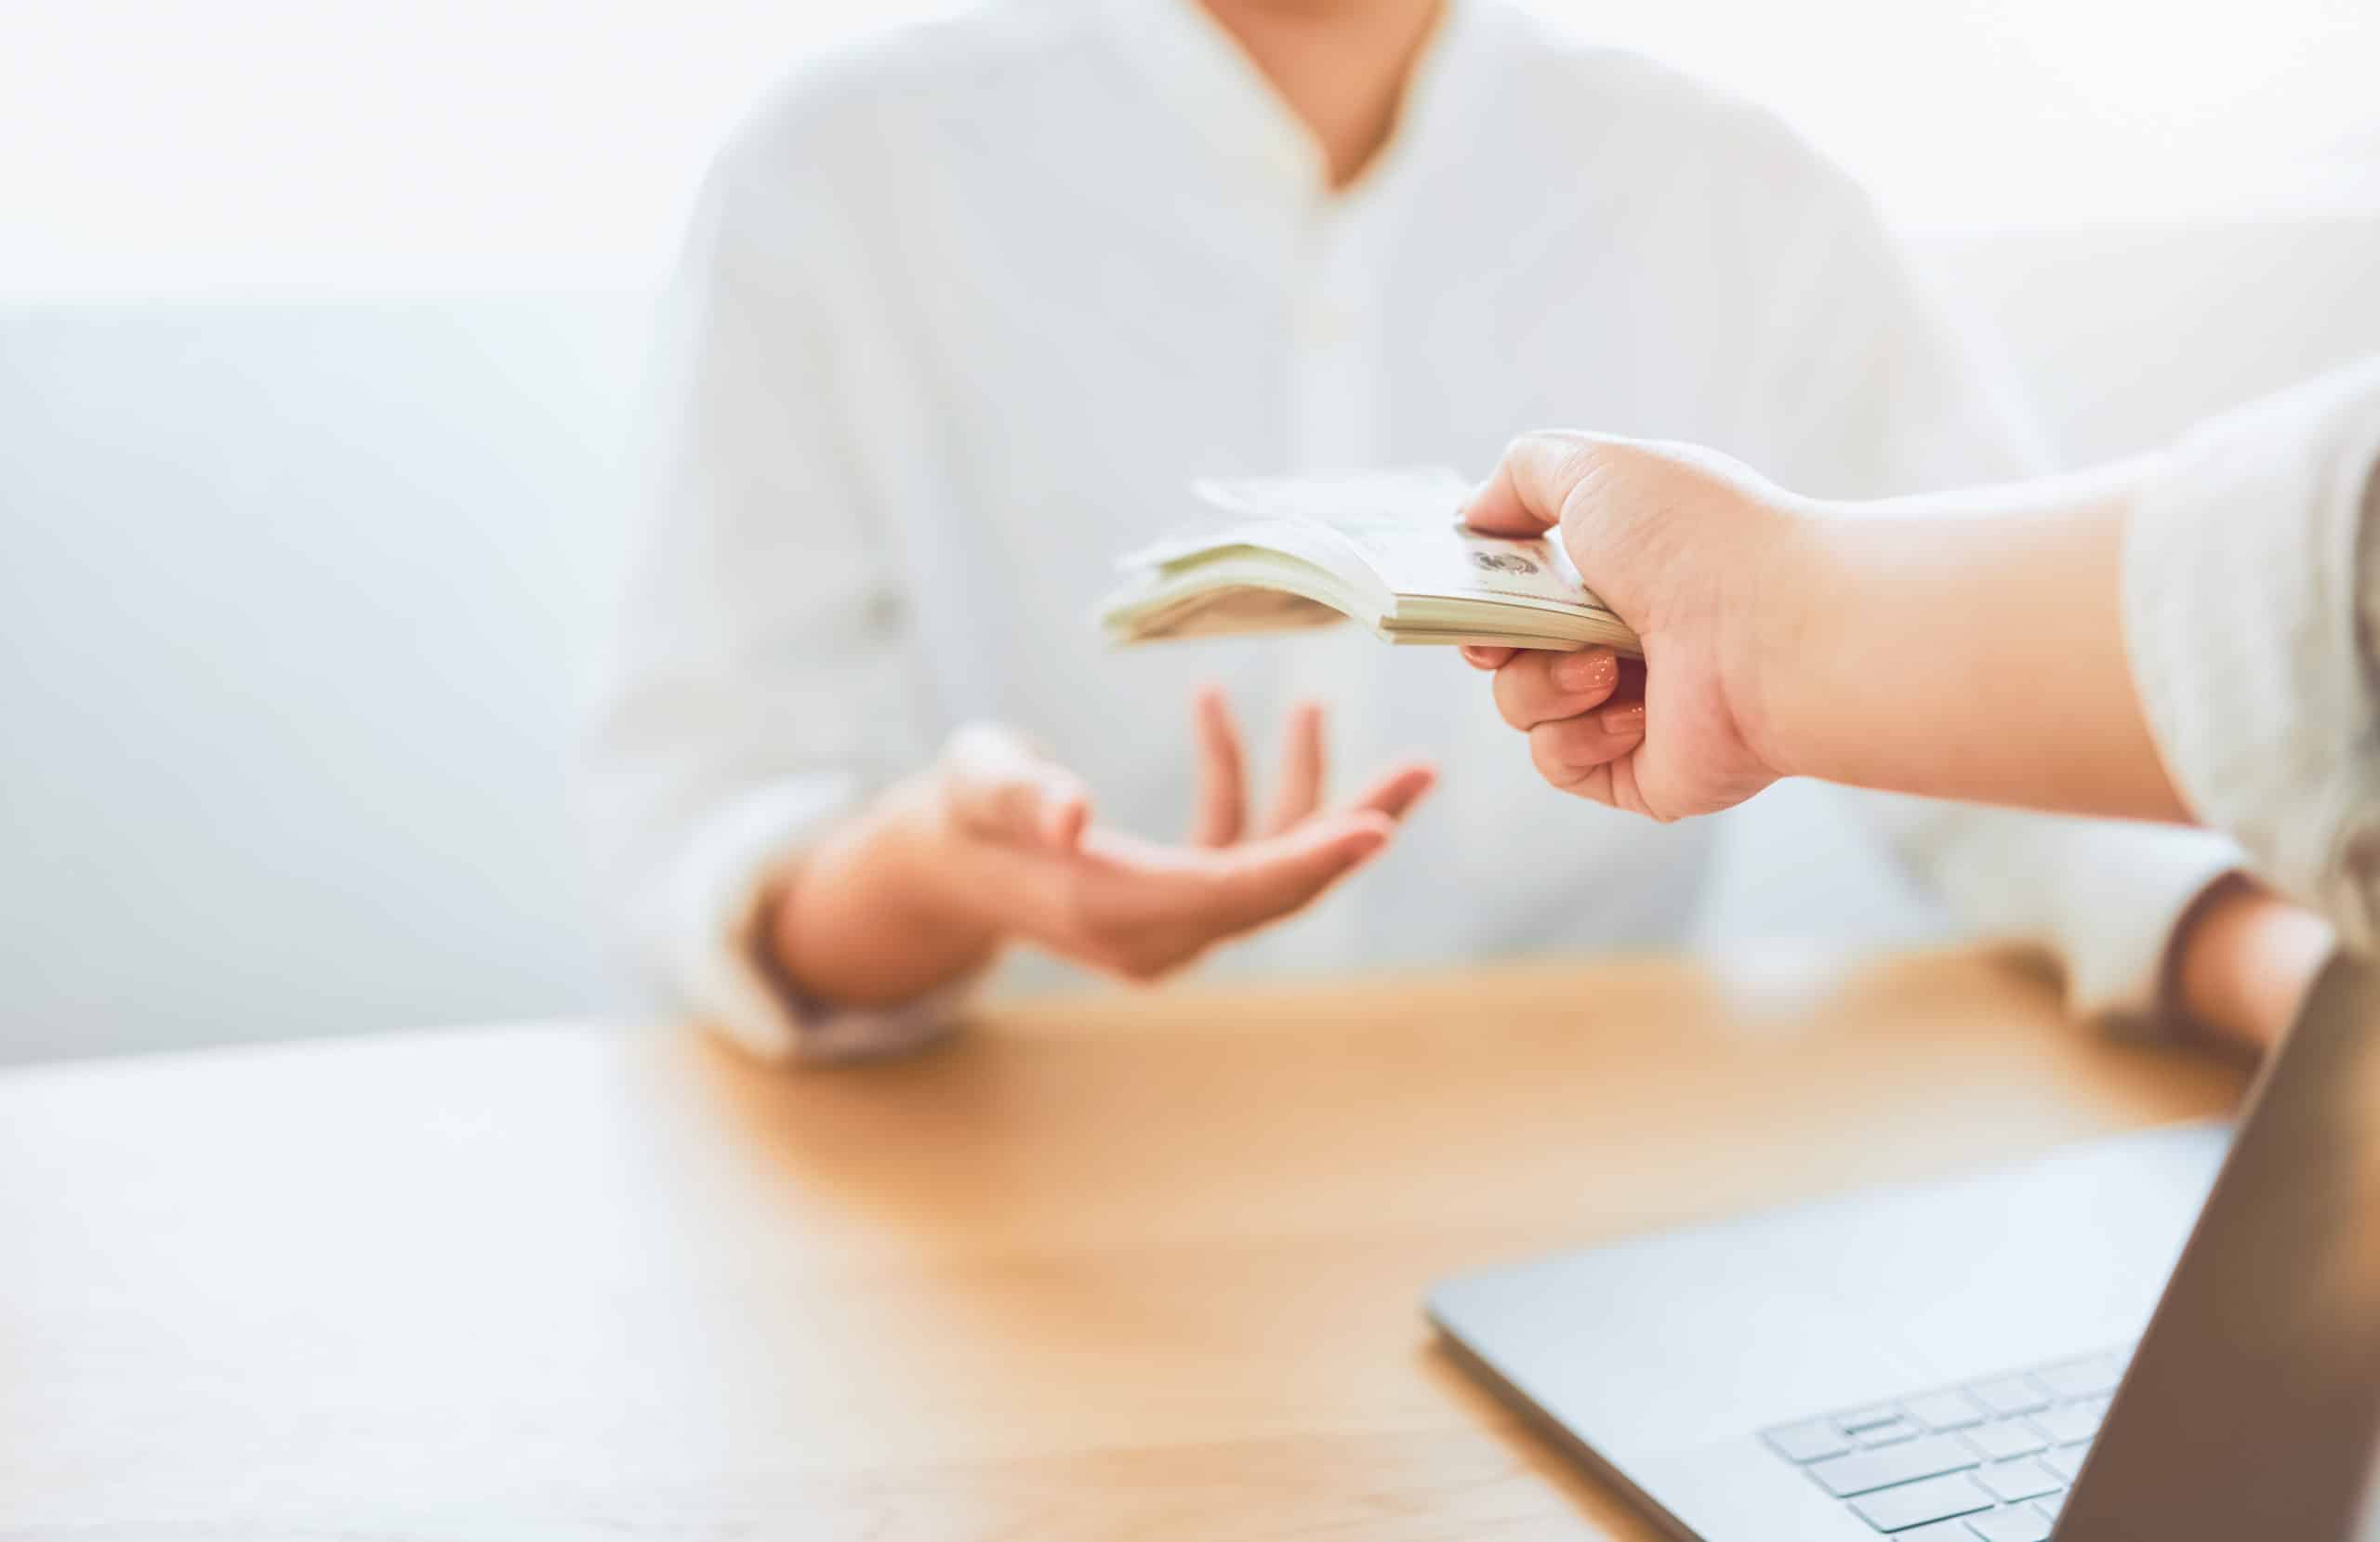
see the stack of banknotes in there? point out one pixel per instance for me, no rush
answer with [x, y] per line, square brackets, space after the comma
[1386, 550]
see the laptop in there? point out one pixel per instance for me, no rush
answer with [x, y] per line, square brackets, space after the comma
[1991, 1359]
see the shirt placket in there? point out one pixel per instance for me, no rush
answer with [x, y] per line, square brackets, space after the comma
[1336, 401]
[1335, 394]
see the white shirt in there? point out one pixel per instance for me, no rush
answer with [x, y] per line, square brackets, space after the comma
[966, 307]
[2251, 603]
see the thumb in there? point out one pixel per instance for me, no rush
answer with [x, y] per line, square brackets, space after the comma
[999, 787]
[1531, 484]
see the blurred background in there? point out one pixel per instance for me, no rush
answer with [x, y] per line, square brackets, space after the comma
[321, 328]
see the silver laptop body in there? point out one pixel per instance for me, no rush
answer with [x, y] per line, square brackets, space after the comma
[1941, 1364]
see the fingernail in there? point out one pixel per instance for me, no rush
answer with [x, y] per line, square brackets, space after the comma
[1592, 670]
[1622, 720]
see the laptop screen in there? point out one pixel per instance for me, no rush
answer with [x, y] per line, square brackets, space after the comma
[2251, 1408]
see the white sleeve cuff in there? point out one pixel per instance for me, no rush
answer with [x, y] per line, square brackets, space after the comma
[2128, 893]
[2103, 895]
[2242, 616]
[714, 911]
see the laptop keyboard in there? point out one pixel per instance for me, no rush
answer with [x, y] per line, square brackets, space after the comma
[1988, 1461]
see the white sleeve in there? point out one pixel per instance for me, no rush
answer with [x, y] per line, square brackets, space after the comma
[763, 682]
[1894, 400]
[2250, 601]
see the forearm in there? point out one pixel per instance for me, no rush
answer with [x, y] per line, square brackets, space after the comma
[1968, 647]
[869, 918]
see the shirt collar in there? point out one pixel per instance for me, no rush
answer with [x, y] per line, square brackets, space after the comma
[1206, 76]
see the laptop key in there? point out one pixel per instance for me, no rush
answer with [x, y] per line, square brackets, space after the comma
[1940, 1411]
[2069, 1422]
[1912, 1505]
[1889, 1433]
[2022, 1479]
[2010, 1525]
[2088, 1378]
[2066, 1461]
[2004, 1438]
[1941, 1531]
[1867, 1418]
[1808, 1443]
[1926, 1457]
[2008, 1394]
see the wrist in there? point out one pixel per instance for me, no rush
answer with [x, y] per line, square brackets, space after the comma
[877, 913]
[921, 852]
[1801, 578]
[912, 854]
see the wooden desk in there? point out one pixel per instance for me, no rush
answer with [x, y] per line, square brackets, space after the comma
[1127, 1266]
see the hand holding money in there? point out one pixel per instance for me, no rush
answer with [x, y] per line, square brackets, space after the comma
[1665, 533]
[1689, 550]
[1970, 645]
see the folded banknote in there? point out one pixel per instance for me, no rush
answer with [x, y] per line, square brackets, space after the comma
[1386, 550]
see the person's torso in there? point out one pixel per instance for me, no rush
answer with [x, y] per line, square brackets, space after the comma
[1080, 302]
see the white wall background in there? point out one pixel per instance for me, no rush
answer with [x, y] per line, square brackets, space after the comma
[295, 598]
[319, 329]
[193, 145]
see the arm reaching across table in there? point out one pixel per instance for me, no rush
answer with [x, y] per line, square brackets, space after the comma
[2182, 637]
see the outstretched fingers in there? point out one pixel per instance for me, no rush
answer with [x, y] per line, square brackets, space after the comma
[1264, 880]
[1222, 772]
[1304, 769]
[1395, 790]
